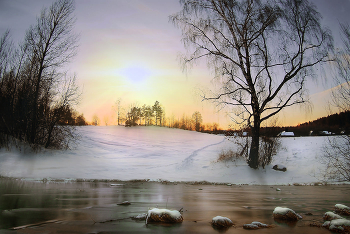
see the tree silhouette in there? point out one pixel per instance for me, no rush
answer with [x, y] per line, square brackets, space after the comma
[158, 113]
[133, 116]
[337, 152]
[50, 44]
[262, 53]
[95, 120]
[36, 93]
[197, 120]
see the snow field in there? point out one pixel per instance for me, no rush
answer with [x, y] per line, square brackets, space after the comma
[155, 153]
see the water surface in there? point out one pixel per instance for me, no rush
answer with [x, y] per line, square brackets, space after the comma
[91, 207]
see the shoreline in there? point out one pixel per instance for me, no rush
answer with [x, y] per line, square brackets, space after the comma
[204, 182]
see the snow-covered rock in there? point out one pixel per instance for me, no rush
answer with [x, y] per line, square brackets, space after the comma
[221, 222]
[250, 226]
[328, 216]
[255, 225]
[164, 215]
[260, 224]
[142, 216]
[342, 209]
[338, 225]
[279, 167]
[124, 203]
[286, 214]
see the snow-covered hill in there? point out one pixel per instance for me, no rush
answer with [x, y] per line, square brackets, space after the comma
[116, 152]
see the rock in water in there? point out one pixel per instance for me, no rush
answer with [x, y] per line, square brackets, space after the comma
[124, 203]
[140, 217]
[342, 209]
[221, 222]
[328, 216]
[255, 225]
[285, 214]
[338, 225]
[164, 215]
[250, 226]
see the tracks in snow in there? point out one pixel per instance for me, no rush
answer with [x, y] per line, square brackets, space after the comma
[189, 160]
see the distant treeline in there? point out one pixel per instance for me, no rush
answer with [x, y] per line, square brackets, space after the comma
[334, 124]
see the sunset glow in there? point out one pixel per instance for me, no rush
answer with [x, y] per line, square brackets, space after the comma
[129, 50]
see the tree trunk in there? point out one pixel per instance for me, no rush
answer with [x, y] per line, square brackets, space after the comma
[48, 142]
[253, 160]
[35, 105]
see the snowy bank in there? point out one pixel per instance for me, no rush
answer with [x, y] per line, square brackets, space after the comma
[157, 154]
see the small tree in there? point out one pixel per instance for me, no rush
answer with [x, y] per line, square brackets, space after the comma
[119, 111]
[158, 112]
[95, 120]
[262, 53]
[148, 115]
[106, 120]
[197, 120]
[133, 116]
[80, 120]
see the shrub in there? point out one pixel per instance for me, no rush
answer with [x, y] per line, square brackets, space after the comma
[269, 147]
[336, 158]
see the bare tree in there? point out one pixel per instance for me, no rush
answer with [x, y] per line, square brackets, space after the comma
[95, 120]
[5, 52]
[119, 110]
[197, 120]
[341, 93]
[36, 94]
[337, 151]
[66, 96]
[262, 53]
[51, 44]
[106, 120]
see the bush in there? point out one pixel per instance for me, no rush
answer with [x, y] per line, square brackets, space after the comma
[228, 155]
[269, 147]
[336, 158]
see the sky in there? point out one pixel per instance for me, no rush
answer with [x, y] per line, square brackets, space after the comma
[129, 50]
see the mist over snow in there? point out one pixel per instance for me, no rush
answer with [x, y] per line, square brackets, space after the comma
[155, 153]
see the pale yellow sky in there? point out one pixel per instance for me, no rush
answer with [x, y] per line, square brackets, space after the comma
[129, 50]
[133, 54]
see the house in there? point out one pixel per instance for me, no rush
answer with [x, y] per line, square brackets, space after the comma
[286, 134]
